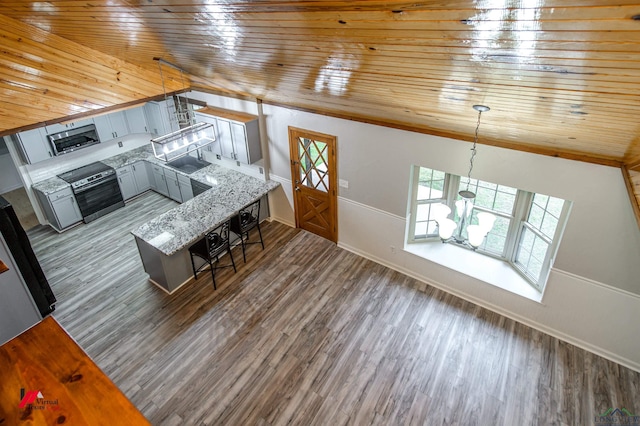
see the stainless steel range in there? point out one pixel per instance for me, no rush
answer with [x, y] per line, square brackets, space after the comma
[96, 189]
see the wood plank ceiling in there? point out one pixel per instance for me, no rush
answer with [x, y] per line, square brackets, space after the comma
[561, 78]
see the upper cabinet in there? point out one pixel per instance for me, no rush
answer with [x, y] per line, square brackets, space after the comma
[209, 119]
[111, 126]
[59, 127]
[161, 117]
[237, 133]
[34, 145]
[136, 120]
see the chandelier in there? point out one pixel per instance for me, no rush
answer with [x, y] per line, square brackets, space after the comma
[448, 229]
[191, 137]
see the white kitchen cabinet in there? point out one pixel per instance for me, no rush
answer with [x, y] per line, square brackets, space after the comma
[60, 208]
[34, 145]
[161, 117]
[173, 186]
[59, 127]
[142, 172]
[111, 126]
[159, 182]
[185, 187]
[127, 182]
[206, 118]
[237, 132]
[133, 179]
[225, 138]
[136, 120]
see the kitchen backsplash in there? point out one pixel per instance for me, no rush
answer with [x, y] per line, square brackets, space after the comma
[53, 167]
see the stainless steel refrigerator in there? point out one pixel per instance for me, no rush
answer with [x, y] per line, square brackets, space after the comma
[25, 294]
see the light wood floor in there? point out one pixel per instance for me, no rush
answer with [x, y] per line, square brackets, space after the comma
[307, 333]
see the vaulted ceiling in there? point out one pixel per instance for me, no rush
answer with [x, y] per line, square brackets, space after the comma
[561, 78]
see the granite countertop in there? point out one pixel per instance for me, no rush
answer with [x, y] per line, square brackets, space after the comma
[51, 185]
[185, 224]
[126, 158]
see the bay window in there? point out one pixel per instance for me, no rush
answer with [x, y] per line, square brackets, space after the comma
[526, 232]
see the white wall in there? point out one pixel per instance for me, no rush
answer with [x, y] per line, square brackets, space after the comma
[9, 176]
[592, 298]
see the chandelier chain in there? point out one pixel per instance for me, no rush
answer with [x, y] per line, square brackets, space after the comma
[473, 150]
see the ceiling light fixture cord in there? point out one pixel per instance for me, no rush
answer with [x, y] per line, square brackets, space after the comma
[473, 150]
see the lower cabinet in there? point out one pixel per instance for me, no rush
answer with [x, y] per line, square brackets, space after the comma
[142, 176]
[159, 182]
[172, 185]
[127, 182]
[143, 173]
[185, 188]
[60, 208]
[133, 179]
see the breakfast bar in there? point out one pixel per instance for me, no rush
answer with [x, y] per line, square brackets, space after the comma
[163, 242]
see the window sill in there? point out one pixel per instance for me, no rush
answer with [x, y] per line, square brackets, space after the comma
[484, 268]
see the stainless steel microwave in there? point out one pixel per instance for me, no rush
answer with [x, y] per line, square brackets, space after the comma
[73, 139]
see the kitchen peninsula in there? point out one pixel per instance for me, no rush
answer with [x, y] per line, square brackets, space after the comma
[163, 242]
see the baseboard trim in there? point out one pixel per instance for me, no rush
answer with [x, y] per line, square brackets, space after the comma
[509, 314]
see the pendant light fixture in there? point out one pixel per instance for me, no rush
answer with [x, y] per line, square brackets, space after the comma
[190, 137]
[448, 229]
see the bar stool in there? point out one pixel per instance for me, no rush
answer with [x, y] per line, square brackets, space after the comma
[247, 218]
[211, 247]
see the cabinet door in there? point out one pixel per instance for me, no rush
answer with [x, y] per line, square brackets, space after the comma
[214, 147]
[35, 145]
[160, 181]
[118, 124]
[185, 188]
[141, 175]
[66, 211]
[103, 126]
[57, 128]
[111, 126]
[127, 182]
[154, 118]
[240, 142]
[136, 120]
[172, 185]
[226, 139]
[161, 117]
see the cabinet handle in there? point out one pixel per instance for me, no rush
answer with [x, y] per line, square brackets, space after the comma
[50, 155]
[134, 167]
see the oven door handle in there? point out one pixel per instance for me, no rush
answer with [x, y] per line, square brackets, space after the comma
[93, 184]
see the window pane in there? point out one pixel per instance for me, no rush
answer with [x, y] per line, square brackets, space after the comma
[504, 202]
[536, 214]
[497, 198]
[531, 254]
[422, 212]
[430, 184]
[545, 213]
[555, 206]
[549, 225]
[425, 226]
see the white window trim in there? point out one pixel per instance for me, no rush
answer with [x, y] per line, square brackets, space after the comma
[522, 204]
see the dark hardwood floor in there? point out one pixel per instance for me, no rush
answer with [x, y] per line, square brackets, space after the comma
[307, 333]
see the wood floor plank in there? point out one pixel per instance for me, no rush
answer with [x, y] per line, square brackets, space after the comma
[307, 333]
